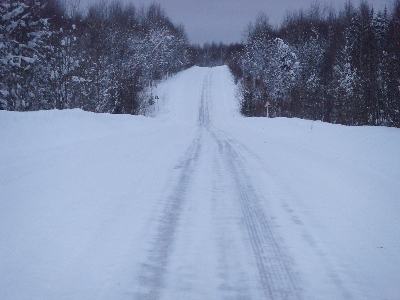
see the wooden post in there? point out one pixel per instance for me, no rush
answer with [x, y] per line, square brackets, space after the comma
[267, 105]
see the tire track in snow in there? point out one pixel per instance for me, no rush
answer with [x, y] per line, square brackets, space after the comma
[276, 276]
[232, 272]
[283, 191]
[234, 279]
[152, 272]
[278, 280]
[203, 120]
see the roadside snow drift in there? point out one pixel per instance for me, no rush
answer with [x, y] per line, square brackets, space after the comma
[197, 202]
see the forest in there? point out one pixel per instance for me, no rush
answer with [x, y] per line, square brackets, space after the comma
[54, 57]
[339, 67]
[321, 64]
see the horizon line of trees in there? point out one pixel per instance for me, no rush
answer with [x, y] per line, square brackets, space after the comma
[339, 67]
[336, 66]
[54, 57]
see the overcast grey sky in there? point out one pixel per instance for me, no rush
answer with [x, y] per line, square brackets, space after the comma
[225, 20]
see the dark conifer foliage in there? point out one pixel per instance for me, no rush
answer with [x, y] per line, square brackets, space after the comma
[23, 45]
[212, 55]
[340, 67]
[321, 64]
[52, 56]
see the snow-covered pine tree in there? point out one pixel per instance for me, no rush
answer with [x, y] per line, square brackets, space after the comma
[393, 105]
[23, 46]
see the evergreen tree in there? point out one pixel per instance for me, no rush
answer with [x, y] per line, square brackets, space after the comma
[23, 38]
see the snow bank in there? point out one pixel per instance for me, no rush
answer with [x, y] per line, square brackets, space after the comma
[76, 193]
[342, 187]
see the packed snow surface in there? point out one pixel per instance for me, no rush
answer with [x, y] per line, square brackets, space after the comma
[196, 202]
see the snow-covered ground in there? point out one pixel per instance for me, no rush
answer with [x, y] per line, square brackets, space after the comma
[197, 202]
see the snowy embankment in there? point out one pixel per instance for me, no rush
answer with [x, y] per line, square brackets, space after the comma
[80, 194]
[76, 188]
[342, 187]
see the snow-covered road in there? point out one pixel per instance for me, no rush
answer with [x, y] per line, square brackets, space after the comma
[197, 203]
[213, 239]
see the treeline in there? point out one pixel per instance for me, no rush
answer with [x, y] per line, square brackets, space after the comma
[339, 67]
[53, 56]
[213, 54]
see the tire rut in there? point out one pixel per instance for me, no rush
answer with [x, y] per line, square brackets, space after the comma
[275, 268]
[278, 279]
[152, 272]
